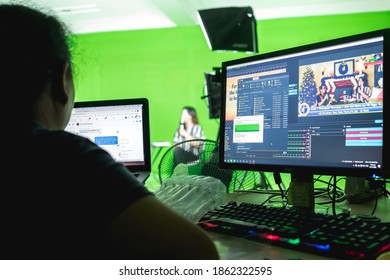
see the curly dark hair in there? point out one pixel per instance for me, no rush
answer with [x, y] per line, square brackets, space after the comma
[34, 47]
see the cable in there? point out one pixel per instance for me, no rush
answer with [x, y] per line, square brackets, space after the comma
[375, 204]
[324, 192]
[269, 198]
[278, 181]
[379, 188]
[334, 196]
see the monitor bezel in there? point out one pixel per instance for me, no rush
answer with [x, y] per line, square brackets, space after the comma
[383, 172]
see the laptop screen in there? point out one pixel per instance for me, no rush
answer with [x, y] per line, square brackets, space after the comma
[121, 127]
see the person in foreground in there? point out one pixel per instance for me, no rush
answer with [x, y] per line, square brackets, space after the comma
[66, 198]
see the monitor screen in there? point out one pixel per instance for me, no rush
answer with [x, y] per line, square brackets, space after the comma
[317, 109]
[121, 127]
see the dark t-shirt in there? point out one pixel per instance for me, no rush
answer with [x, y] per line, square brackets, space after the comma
[59, 194]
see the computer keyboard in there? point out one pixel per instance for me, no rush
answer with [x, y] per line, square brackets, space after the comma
[342, 236]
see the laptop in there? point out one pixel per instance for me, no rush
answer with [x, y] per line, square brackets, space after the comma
[121, 127]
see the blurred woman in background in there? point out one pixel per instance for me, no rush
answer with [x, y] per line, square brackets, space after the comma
[189, 129]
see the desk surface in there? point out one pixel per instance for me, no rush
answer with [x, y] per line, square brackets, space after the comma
[234, 248]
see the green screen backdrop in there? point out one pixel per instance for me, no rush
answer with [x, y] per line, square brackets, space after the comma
[167, 65]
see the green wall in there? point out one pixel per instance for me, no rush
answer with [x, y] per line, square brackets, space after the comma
[167, 65]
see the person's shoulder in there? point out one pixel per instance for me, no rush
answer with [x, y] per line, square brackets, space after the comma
[67, 138]
[63, 141]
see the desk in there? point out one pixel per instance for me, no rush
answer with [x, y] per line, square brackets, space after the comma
[234, 248]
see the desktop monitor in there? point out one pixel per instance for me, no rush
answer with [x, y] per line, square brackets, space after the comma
[121, 127]
[317, 109]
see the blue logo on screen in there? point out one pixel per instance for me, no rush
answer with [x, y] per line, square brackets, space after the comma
[106, 140]
[343, 68]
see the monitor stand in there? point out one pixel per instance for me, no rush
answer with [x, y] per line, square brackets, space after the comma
[301, 191]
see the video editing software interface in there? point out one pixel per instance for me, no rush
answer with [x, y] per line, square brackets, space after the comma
[116, 128]
[314, 107]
